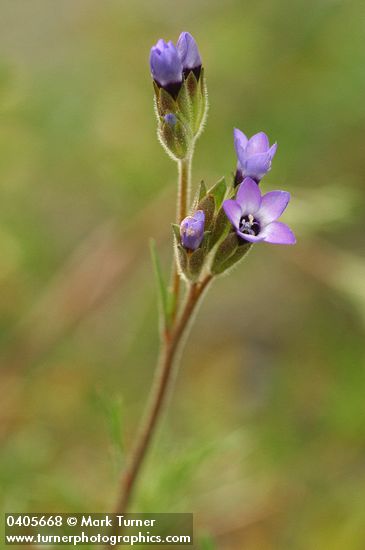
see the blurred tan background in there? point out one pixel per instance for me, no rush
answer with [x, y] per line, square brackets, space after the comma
[265, 436]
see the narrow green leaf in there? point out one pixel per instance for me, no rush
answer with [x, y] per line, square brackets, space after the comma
[202, 190]
[224, 251]
[199, 195]
[161, 286]
[208, 207]
[236, 257]
[218, 191]
[220, 228]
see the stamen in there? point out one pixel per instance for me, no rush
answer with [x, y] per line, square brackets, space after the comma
[249, 226]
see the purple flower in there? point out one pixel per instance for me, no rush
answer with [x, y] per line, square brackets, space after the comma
[189, 53]
[192, 230]
[166, 66]
[254, 216]
[254, 155]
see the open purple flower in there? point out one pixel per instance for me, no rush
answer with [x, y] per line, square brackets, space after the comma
[189, 53]
[254, 217]
[254, 155]
[166, 66]
[192, 230]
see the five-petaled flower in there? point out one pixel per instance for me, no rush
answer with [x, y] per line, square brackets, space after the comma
[254, 155]
[254, 217]
[192, 230]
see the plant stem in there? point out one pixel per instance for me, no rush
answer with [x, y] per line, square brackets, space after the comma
[183, 196]
[162, 381]
[183, 188]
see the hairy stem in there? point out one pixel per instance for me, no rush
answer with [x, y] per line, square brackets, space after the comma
[162, 381]
[183, 196]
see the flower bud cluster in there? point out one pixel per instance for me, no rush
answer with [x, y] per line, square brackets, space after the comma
[226, 220]
[180, 94]
[200, 236]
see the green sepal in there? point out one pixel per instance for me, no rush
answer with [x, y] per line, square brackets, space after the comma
[175, 139]
[205, 244]
[224, 251]
[218, 191]
[182, 257]
[240, 252]
[183, 103]
[196, 101]
[176, 231]
[220, 227]
[166, 103]
[191, 84]
[203, 100]
[207, 204]
[161, 286]
[196, 262]
[156, 88]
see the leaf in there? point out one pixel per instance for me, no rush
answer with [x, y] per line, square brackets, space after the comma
[224, 251]
[218, 191]
[162, 289]
[240, 252]
[208, 207]
[220, 227]
[199, 195]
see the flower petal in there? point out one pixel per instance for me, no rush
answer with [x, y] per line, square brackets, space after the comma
[188, 51]
[251, 238]
[233, 211]
[257, 166]
[272, 206]
[199, 216]
[248, 196]
[239, 138]
[259, 143]
[278, 233]
[272, 150]
[165, 63]
[240, 142]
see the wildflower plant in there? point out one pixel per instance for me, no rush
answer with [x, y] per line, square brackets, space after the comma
[213, 232]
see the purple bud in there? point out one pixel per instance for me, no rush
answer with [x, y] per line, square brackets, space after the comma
[192, 230]
[166, 67]
[254, 155]
[188, 52]
[170, 119]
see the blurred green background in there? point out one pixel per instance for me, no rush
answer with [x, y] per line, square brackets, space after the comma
[265, 435]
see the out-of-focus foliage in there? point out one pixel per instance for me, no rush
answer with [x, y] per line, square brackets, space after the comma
[265, 437]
